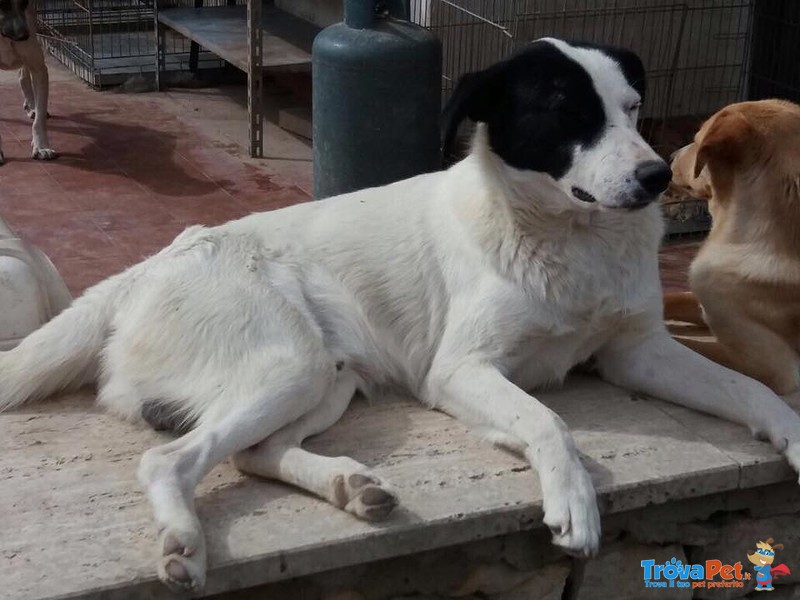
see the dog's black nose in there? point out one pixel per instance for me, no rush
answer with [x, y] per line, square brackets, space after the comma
[654, 176]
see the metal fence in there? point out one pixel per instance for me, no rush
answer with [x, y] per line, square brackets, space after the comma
[106, 41]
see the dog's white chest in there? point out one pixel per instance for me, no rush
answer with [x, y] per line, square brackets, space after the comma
[575, 309]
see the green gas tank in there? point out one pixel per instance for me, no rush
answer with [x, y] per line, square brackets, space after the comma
[376, 99]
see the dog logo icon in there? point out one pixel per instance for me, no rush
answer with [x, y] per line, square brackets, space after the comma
[762, 560]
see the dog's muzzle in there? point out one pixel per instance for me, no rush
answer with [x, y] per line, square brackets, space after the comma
[653, 178]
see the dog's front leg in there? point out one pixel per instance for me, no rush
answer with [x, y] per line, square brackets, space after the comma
[26, 85]
[479, 394]
[40, 145]
[650, 361]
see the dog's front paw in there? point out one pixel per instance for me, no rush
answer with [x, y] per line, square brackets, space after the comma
[570, 510]
[43, 153]
[792, 454]
[182, 565]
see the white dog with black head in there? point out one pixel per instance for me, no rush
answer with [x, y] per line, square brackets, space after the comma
[467, 287]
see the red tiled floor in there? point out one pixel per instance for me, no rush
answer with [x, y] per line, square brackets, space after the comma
[130, 177]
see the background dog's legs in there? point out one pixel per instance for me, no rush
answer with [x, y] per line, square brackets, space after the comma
[276, 394]
[27, 91]
[342, 481]
[479, 394]
[40, 145]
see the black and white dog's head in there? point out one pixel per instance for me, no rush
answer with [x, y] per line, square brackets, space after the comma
[13, 21]
[567, 111]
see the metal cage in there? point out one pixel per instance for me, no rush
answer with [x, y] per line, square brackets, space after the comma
[105, 42]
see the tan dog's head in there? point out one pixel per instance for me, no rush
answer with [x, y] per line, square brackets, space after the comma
[739, 138]
[13, 20]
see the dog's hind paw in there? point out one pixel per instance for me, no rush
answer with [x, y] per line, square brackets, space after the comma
[43, 153]
[182, 565]
[364, 496]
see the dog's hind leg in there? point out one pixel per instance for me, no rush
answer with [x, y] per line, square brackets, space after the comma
[342, 481]
[25, 83]
[40, 82]
[269, 392]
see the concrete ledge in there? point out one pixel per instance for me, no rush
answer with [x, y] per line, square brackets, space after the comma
[75, 522]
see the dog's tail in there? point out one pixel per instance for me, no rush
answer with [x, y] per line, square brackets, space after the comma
[62, 354]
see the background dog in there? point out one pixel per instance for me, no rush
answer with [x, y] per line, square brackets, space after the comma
[466, 287]
[745, 160]
[20, 49]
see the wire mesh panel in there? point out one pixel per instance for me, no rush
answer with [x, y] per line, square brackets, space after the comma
[106, 41]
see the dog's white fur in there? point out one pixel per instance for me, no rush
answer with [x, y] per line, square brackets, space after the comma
[466, 286]
[34, 79]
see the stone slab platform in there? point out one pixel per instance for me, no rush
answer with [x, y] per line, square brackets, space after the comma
[75, 523]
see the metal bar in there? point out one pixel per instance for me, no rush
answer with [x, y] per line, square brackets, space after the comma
[160, 50]
[194, 48]
[478, 17]
[255, 74]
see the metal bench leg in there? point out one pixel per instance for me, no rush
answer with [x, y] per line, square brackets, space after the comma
[160, 48]
[255, 88]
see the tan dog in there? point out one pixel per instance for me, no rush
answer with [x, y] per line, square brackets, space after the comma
[745, 160]
[20, 49]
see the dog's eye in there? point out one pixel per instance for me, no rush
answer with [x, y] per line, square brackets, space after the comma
[633, 107]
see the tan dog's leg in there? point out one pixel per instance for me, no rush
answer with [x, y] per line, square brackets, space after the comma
[749, 348]
[683, 307]
[26, 85]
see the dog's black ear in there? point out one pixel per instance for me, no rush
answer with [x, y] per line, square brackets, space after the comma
[472, 99]
[632, 67]
[628, 61]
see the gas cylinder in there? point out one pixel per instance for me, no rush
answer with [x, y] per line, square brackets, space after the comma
[376, 99]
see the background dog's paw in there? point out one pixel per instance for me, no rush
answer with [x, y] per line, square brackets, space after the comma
[43, 154]
[2, 158]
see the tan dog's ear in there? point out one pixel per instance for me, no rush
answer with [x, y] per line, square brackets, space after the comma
[777, 546]
[724, 139]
